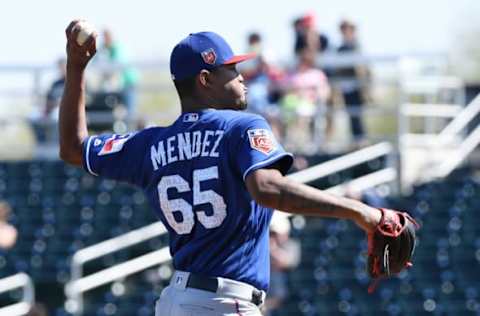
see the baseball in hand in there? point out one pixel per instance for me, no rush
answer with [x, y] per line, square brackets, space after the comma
[86, 30]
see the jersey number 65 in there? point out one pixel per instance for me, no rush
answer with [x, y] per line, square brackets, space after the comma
[199, 197]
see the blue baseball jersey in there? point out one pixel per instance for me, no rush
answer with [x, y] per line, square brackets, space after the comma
[193, 174]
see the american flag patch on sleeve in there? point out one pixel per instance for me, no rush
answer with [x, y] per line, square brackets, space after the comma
[114, 144]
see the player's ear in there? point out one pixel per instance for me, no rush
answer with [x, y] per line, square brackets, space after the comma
[204, 78]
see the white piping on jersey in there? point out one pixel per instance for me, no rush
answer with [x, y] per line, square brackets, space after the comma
[87, 155]
[266, 162]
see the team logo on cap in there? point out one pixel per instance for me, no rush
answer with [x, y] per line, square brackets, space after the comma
[209, 56]
[262, 140]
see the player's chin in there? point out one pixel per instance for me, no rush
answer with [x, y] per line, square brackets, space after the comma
[238, 104]
[242, 105]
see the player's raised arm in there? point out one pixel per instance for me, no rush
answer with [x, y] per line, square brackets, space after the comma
[270, 188]
[72, 121]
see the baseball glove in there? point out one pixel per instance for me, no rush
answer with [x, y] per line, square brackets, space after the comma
[391, 245]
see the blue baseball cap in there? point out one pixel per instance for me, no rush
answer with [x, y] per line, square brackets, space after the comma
[203, 50]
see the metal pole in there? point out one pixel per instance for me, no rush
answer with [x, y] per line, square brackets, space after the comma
[402, 129]
[36, 93]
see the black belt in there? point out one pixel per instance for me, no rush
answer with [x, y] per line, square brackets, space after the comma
[211, 284]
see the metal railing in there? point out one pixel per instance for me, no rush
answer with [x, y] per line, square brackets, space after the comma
[81, 257]
[446, 150]
[20, 280]
[454, 129]
[431, 109]
[74, 289]
[80, 284]
[462, 119]
[112, 245]
[464, 149]
[443, 142]
[342, 163]
[365, 182]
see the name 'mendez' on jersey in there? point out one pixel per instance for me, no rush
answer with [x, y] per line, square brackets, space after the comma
[193, 173]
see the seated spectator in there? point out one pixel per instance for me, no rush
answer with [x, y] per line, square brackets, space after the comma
[8, 233]
[306, 93]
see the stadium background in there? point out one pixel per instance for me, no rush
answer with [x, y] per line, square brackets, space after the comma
[424, 72]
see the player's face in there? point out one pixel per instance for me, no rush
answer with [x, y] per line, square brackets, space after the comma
[228, 88]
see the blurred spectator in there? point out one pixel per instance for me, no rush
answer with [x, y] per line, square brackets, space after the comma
[119, 76]
[307, 91]
[54, 94]
[38, 310]
[285, 255]
[307, 36]
[352, 80]
[8, 233]
[263, 79]
[44, 122]
[255, 43]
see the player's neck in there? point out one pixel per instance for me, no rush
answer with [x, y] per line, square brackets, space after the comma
[193, 104]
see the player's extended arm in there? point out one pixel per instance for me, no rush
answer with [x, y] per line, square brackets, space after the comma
[72, 121]
[270, 188]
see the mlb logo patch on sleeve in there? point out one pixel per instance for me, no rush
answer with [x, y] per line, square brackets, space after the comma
[114, 144]
[262, 140]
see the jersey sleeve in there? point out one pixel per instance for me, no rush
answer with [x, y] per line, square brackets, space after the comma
[253, 146]
[118, 157]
